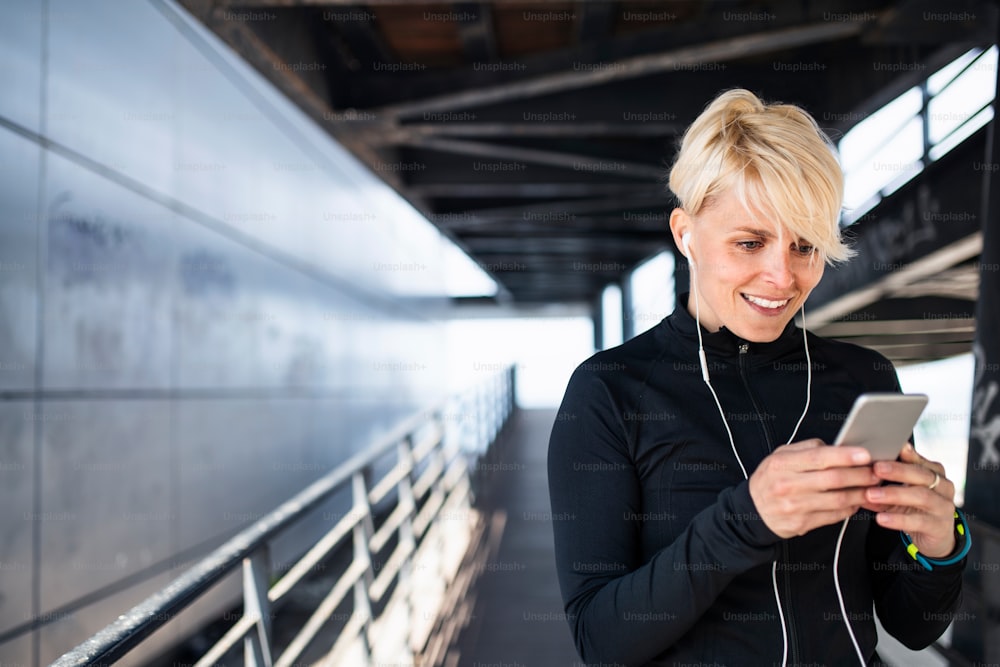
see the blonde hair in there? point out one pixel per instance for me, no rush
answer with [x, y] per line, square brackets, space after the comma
[777, 161]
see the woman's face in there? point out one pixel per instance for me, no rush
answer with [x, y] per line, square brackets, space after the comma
[751, 275]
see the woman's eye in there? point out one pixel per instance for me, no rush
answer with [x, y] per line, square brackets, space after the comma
[805, 249]
[750, 245]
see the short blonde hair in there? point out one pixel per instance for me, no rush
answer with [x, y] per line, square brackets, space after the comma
[774, 157]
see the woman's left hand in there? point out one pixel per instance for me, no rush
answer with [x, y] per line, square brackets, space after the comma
[926, 514]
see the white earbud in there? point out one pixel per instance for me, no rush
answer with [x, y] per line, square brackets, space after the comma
[685, 242]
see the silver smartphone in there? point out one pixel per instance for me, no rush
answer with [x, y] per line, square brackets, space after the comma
[881, 423]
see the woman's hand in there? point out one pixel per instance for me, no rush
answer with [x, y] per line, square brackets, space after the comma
[926, 514]
[808, 484]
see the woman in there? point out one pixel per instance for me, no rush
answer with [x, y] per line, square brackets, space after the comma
[694, 533]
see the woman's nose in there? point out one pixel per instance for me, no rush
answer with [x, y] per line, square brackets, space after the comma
[778, 270]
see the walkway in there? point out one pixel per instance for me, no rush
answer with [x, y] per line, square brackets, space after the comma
[518, 619]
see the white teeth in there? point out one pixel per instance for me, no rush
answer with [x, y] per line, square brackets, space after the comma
[764, 302]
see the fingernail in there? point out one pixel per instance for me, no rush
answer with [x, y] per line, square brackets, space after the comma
[876, 493]
[908, 447]
[882, 466]
[861, 456]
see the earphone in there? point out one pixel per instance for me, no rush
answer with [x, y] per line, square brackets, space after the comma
[685, 243]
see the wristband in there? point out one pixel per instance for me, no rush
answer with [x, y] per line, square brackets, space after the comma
[961, 532]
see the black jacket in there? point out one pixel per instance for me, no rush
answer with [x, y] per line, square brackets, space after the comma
[661, 556]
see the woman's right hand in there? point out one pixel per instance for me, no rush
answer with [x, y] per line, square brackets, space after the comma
[808, 484]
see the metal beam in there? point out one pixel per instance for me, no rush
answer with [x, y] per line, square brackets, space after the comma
[555, 244]
[574, 161]
[901, 340]
[531, 190]
[888, 327]
[595, 21]
[361, 36]
[897, 85]
[406, 133]
[933, 263]
[381, 89]
[475, 29]
[560, 210]
[917, 352]
[923, 229]
[581, 228]
[526, 233]
[345, 3]
[680, 59]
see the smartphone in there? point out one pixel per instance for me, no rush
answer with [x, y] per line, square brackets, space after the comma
[881, 423]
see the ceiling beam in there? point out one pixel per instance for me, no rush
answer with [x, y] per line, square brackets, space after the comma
[679, 59]
[573, 161]
[917, 352]
[525, 233]
[577, 224]
[888, 327]
[596, 21]
[371, 3]
[571, 207]
[475, 29]
[558, 244]
[901, 339]
[405, 133]
[550, 211]
[936, 262]
[362, 37]
[531, 190]
[897, 85]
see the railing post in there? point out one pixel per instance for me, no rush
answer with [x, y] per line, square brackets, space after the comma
[406, 537]
[483, 437]
[511, 388]
[494, 412]
[362, 533]
[256, 573]
[467, 426]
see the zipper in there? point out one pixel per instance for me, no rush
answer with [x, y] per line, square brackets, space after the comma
[793, 650]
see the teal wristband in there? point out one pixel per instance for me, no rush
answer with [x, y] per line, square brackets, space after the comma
[961, 532]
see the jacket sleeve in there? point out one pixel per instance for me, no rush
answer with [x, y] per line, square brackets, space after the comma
[914, 605]
[621, 610]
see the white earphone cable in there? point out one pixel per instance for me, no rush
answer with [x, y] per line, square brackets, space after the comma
[840, 594]
[704, 374]
[732, 443]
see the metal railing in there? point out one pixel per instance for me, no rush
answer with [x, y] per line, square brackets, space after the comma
[924, 115]
[429, 523]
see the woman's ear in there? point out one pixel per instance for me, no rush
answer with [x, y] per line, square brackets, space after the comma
[680, 227]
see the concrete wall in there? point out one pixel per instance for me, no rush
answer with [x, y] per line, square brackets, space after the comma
[205, 303]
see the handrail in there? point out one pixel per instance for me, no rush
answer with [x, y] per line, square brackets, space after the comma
[922, 114]
[493, 402]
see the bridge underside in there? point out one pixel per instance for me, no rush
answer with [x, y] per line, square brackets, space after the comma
[537, 135]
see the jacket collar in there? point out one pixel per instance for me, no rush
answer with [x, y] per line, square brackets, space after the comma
[724, 342]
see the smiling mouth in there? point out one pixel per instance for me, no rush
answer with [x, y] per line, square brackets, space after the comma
[765, 303]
